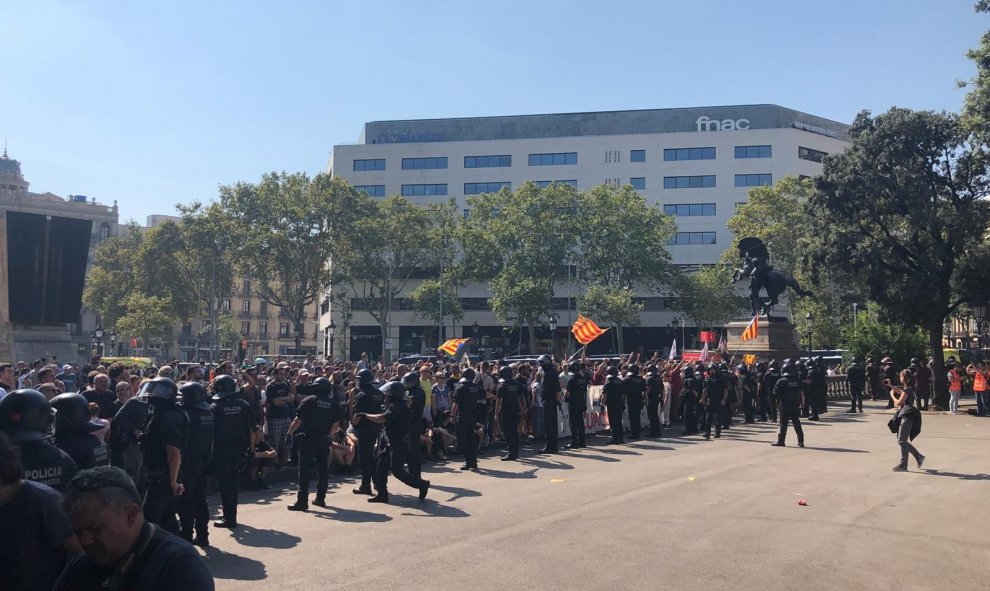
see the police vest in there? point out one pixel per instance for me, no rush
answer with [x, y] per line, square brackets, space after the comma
[509, 393]
[317, 414]
[232, 419]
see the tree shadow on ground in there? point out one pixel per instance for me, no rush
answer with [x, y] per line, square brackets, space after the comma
[246, 535]
[981, 476]
[428, 508]
[224, 565]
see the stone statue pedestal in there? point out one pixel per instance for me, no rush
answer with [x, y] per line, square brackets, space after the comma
[776, 339]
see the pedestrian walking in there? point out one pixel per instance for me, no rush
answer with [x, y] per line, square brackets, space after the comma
[907, 420]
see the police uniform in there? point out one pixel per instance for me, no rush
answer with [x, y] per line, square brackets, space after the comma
[232, 426]
[654, 396]
[509, 394]
[819, 390]
[45, 463]
[770, 379]
[689, 396]
[194, 512]
[125, 452]
[577, 404]
[368, 400]
[74, 431]
[167, 426]
[715, 395]
[856, 378]
[788, 390]
[466, 397]
[614, 393]
[748, 385]
[317, 414]
[417, 406]
[635, 388]
[85, 449]
[394, 446]
[551, 387]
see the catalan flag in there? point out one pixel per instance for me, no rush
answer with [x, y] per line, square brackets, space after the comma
[752, 331]
[450, 347]
[585, 330]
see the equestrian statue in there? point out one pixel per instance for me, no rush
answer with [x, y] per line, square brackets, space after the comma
[762, 277]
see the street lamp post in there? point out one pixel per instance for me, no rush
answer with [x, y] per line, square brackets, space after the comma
[99, 339]
[553, 331]
[333, 336]
[980, 315]
[113, 342]
[807, 318]
[855, 320]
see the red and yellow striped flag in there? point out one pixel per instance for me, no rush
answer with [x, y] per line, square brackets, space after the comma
[752, 331]
[585, 330]
[450, 347]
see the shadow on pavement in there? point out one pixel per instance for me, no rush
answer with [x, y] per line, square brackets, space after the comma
[591, 456]
[457, 491]
[429, 508]
[613, 449]
[264, 538]
[839, 450]
[349, 515]
[486, 471]
[546, 461]
[958, 475]
[224, 565]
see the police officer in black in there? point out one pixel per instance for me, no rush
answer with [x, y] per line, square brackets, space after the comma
[194, 512]
[510, 399]
[790, 391]
[654, 396]
[164, 437]
[466, 396]
[818, 388]
[767, 379]
[26, 417]
[856, 378]
[315, 418]
[394, 447]
[551, 398]
[74, 432]
[690, 395]
[747, 383]
[577, 403]
[368, 400]
[614, 395]
[417, 405]
[713, 399]
[635, 389]
[233, 441]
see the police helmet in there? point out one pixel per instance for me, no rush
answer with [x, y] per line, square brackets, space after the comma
[26, 415]
[741, 368]
[260, 361]
[468, 374]
[699, 375]
[410, 380]
[162, 388]
[886, 360]
[505, 372]
[394, 390]
[915, 361]
[224, 386]
[194, 395]
[799, 363]
[612, 371]
[574, 366]
[773, 364]
[950, 365]
[855, 359]
[651, 369]
[819, 360]
[634, 369]
[72, 410]
[322, 387]
[544, 360]
[789, 369]
[365, 377]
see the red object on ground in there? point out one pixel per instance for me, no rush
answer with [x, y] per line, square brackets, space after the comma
[802, 502]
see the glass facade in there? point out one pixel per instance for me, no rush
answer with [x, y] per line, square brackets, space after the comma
[369, 164]
[689, 209]
[424, 163]
[478, 188]
[672, 154]
[417, 190]
[372, 190]
[689, 182]
[811, 154]
[556, 159]
[753, 152]
[638, 182]
[637, 155]
[754, 180]
[692, 238]
[487, 161]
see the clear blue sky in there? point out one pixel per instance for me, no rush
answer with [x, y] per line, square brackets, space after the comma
[155, 103]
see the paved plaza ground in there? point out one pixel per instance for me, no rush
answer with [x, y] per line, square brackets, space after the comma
[678, 513]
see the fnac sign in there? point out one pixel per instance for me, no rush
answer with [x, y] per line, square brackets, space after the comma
[705, 123]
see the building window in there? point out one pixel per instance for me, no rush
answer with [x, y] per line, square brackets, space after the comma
[692, 238]
[753, 152]
[545, 184]
[487, 161]
[245, 305]
[369, 164]
[637, 155]
[810, 154]
[424, 163]
[613, 156]
[283, 329]
[638, 182]
[225, 304]
[104, 231]
[689, 209]
[264, 307]
[245, 327]
[556, 159]
[672, 154]
[263, 328]
[372, 190]
[479, 188]
[246, 287]
[417, 190]
[688, 182]
[754, 180]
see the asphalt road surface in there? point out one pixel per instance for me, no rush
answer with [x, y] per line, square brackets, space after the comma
[676, 513]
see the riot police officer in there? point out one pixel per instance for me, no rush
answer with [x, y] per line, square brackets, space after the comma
[510, 398]
[713, 399]
[368, 400]
[233, 440]
[74, 432]
[392, 448]
[614, 394]
[690, 395]
[577, 403]
[551, 398]
[747, 383]
[790, 391]
[194, 512]
[818, 388]
[164, 437]
[26, 417]
[635, 388]
[654, 397]
[466, 396]
[856, 378]
[417, 405]
[315, 418]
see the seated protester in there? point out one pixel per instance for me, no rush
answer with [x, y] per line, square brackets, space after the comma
[122, 550]
[444, 434]
[343, 447]
[37, 540]
[264, 459]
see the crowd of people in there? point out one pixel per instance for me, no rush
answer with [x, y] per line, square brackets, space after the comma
[138, 448]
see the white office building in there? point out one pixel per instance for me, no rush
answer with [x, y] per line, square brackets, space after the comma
[697, 162]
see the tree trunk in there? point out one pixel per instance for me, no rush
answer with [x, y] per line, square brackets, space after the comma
[383, 324]
[619, 338]
[299, 331]
[940, 381]
[532, 338]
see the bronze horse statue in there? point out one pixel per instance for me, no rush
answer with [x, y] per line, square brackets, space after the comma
[762, 277]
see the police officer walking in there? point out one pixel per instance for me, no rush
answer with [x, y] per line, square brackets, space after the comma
[747, 383]
[690, 395]
[315, 418]
[417, 405]
[551, 398]
[790, 391]
[768, 400]
[510, 399]
[713, 397]
[635, 388]
[26, 418]
[194, 512]
[577, 403]
[654, 397]
[164, 437]
[466, 396]
[232, 441]
[74, 432]
[368, 401]
[856, 378]
[394, 447]
[614, 394]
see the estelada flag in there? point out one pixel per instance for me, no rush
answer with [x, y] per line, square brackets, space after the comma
[450, 347]
[749, 359]
[752, 331]
[585, 330]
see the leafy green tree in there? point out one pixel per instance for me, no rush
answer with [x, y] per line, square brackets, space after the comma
[869, 337]
[902, 211]
[435, 300]
[707, 296]
[147, 317]
[976, 111]
[113, 277]
[611, 305]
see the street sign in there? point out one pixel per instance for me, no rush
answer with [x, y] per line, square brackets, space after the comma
[388, 343]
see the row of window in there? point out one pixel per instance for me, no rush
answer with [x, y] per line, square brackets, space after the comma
[487, 161]
[554, 159]
[424, 189]
[283, 328]
[479, 188]
[545, 184]
[692, 238]
[424, 163]
[689, 209]
[372, 190]
[689, 182]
